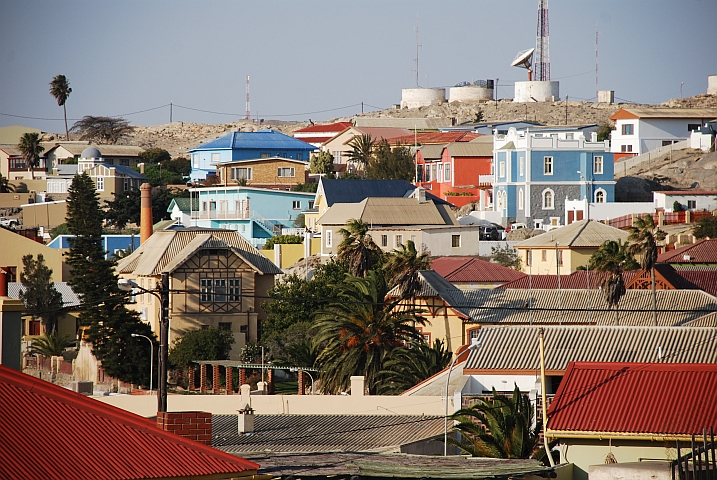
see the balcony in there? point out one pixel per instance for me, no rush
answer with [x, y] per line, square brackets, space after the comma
[485, 180]
[221, 215]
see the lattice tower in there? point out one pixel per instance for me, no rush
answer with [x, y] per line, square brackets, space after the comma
[542, 44]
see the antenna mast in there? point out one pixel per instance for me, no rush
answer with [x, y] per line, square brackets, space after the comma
[596, 63]
[248, 108]
[416, 59]
[542, 44]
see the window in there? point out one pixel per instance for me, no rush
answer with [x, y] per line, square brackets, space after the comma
[548, 203]
[439, 176]
[560, 258]
[195, 160]
[626, 148]
[447, 172]
[244, 328]
[384, 240]
[100, 184]
[433, 172]
[296, 204]
[413, 239]
[455, 241]
[265, 155]
[225, 326]
[216, 157]
[428, 172]
[311, 204]
[243, 172]
[520, 199]
[568, 136]
[691, 127]
[501, 169]
[529, 257]
[329, 240]
[521, 163]
[691, 204]
[234, 292]
[109, 162]
[126, 184]
[628, 129]
[399, 240]
[286, 172]
[543, 255]
[124, 162]
[548, 165]
[597, 165]
[34, 327]
[298, 156]
[600, 196]
[212, 290]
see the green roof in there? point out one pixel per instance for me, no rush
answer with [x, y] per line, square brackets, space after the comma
[183, 204]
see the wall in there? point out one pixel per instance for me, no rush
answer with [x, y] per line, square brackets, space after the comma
[439, 241]
[606, 211]
[560, 193]
[286, 255]
[16, 200]
[441, 323]
[666, 201]
[421, 97]
[47, 214]
[265, 173]
[653, 131]
[16, 246]
[539, 91]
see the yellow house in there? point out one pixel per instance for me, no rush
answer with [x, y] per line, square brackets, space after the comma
[562, 250]
[339, 146]
[16, 246]
[274, 172]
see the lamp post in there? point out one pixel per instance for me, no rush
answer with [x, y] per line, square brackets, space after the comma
[151, 358]
[475, 343]
[588, 193]
[312, 381]
[162, 294]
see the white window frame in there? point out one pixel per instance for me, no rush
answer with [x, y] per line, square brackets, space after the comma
[598, 164]
[100, 184]
[521, 163]
[548, 166]
[328, 234]
[195, 160]
[216, 157]
[628, 129]
[521, 199]
[501, 169]
[246, 170]
[546, 205]
[447, 172]
[282, 171]
[398, 240]
[296, 204]
[439, 172]
[602, 193]
[455, 237]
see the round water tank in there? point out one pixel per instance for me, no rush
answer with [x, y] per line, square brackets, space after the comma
[712, 85]
[470, 93]
[422, 97]
[537, 91]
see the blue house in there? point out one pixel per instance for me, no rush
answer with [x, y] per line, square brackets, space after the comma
[246, 146]
[256, 213]
[112, 244]
[538, 168]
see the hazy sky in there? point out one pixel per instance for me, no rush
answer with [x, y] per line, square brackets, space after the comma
[321, 59]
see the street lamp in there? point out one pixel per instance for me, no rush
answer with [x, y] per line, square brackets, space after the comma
[312, 381]
[162, 294]
[588, 192]
[151, 358]
[475, 343]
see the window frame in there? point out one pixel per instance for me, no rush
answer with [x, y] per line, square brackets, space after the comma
[600, 196]
[100, 183]
[296, 204]
[628, 129]
[447, 172]
[548, 193]
[328, 240]
[455, 240]
[280, 172]
[236, 170]
[598, 161]
[548, 166]
[521, 199]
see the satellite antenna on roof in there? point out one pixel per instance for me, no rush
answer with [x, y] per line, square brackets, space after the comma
[524, 60]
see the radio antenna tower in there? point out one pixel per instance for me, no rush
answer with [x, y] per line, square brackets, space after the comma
[416, 59]
[248, 108]
[597, 89]
[542, 44]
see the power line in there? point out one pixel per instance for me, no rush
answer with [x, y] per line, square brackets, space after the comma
[236, 114]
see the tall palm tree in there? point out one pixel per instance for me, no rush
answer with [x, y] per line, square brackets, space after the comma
[356, 332]
[5, 185]
[499, 428]
[60, 89]
[357, 248]
[403, 265]
[644, 235]
[408, 366]
[612, 258]
[361, 150]
[31, 149]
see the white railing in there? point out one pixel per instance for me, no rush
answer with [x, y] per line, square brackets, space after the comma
[221, 215]
[485, 179]
[631, 162]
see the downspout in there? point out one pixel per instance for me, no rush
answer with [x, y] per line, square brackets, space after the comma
[542, 390]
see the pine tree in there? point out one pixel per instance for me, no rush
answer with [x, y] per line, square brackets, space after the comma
[95, 282]
[39, 295]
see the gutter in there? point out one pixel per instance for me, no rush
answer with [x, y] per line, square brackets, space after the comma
[558, 434]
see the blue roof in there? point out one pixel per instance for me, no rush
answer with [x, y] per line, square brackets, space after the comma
[355, 191]
[263, 139]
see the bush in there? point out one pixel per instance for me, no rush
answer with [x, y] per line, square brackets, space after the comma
[203, 344]
[282, 239]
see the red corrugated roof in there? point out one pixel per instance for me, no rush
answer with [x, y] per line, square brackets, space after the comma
[636, 398]
[331, 127]
[435, 138]
[705, 280]
[50, 432]
[469, 269]
[704, 251]
[314, 139]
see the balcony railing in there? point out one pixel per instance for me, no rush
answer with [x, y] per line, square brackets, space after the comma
[221, 215]
[485, 179]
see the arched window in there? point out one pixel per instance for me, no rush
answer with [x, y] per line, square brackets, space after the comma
[548, 199]
[520, 199]
[600, 196]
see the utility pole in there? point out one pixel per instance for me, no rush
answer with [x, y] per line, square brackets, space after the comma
[416, 59]
[566, 109]
[170, 112]
[248, 108]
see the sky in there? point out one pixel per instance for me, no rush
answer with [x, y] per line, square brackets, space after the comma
[321, 59]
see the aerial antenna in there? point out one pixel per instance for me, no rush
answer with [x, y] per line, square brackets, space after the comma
[542, 44]
[524, 60]
[596, 62]
[248, 107]
[416, 59]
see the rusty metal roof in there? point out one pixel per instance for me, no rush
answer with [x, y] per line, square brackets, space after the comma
[515, 347]
[386, 211]
[583, 233]
[49, 432]
[704, 251]
[635, 398]
[469, 269]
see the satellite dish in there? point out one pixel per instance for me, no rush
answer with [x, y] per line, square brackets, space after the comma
[524, 60]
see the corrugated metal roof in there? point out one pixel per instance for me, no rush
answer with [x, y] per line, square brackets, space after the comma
[330, 127]
[427, 138]
[469, 269]
[13, 150]
[432, 152]
[647, 112]
[421, 123]
[266, 139]
[516, 347]
[69, 297]
[472, 149]
[354, 191]
[80, 437]
[76, 148]
[583, 233]
[704, 251]
[385, 211]
[378, 133]
[635, 398]
[324, 433]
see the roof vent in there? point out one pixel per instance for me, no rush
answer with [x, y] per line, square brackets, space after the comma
[686, 258]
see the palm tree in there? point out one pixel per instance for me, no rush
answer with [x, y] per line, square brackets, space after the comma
[612, 258]
[357, 248]
[5, 185]
[31, 149]
[403, 265]
[409, 366]
[644, 235]
[60, 89]
[499, 428]
[356, 332]
[52, 345]
[361, 150]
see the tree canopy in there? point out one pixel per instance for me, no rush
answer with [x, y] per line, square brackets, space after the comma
[202, 344]
[706, 228]
[60, 89]
[357, 249]
[390, 163]
[39, 295]
[322, 163]
[506, 256]
[31, 149]
[155, 155]
[102, 129]
[282, 239]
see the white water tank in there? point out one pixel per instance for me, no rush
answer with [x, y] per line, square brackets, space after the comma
[712, 85]
[470, 93]
[606, 96]
[534, 91]
[422, 97]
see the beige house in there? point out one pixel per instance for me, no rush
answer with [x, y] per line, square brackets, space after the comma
[217, 279]
[562, 250]
[59, 153]
[14, 167]
[339, 145]
[274, 172]
[432, 227]
[16, 246]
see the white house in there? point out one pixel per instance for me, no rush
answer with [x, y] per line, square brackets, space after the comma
[689, 199]
[639, 130]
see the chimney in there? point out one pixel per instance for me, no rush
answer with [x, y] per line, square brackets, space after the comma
[141, 167]
[196, 426]
[358, 386]
[145, 215]
[246, 420]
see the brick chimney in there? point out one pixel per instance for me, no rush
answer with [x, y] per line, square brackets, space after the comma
[196, 426]
[145, 213]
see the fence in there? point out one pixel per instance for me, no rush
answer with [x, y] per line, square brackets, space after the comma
[632, 162]
[660, 218]
[699, 463]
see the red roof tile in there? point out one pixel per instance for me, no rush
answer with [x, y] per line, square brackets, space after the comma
[703, 279]
[704, 251]
[635, 398]
[469, 269]
[329, 128]
[49, 432]
[435, 138]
